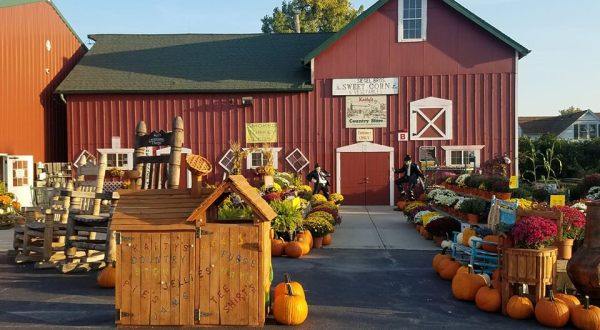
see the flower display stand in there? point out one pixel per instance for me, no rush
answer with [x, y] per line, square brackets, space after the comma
[536, 268]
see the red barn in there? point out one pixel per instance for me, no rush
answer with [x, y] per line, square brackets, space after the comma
[38, 48]
[404, 77]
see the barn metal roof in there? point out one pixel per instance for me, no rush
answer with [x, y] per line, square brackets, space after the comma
[179, 63]
[522, 50]
[13, 3]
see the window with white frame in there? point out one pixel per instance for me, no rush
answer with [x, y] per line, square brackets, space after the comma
[257, 158]
[121, 158]
[297, 160]
[469, 156]
[585, 131]
[226, 161]
[412, 20]
[431, 119]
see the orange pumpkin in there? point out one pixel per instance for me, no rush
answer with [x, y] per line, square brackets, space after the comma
[467, 234]
[448, 268]
[277, 247]
[570, 300]
[465, 286]
[551, 312]
[488, 299]
[491, 247]
[586, 317]
[281, 288]
[293, 249]
[309, 237]
[437, 259]
[106, 278]
[327, 239]
[303, 240]
[290, 308]
[519, 307]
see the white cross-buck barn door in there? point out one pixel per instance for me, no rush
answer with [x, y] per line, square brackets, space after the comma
[431, 119]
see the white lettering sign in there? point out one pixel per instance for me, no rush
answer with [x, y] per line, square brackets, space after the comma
[366, 111]
[365, 86]
[364, 135]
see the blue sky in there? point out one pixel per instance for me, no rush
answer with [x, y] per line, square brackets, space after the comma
[562, 70]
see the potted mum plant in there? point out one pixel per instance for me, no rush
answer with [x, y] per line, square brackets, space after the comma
[442, 228]
[473, 208]
[573, 226]
[318, 227]
[501, 189]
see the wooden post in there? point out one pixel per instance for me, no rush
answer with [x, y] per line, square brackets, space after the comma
[196, 185]
[64, 217]
[140, 151]
[175, 160]
[100, 184]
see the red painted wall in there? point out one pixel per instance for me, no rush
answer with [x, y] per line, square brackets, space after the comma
[467, 66]
[32, 119]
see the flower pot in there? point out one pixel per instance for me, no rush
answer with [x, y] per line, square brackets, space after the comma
[327, 239]
[418, 227]
[438, 240]
[584, 267]
[565, 248]
[472, 218]
[317, 242]
[401, 204]
[503, 195]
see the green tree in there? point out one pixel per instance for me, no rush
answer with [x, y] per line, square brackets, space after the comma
[315, 16]
[569, 110]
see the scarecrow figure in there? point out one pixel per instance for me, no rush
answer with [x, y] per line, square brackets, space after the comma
[319, 178]
[412, 174]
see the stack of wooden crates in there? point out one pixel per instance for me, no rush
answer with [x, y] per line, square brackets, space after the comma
[178, 265]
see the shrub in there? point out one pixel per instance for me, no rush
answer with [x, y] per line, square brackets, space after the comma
[474, 181]
[473, 206]
[501, 186]
[540, 195]
[521, 193]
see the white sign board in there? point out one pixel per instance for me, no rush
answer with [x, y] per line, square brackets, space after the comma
[366, 111]
[402, 136]
[364, 135]
[365, 86]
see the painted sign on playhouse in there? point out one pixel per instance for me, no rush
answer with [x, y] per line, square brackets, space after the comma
[366, 111]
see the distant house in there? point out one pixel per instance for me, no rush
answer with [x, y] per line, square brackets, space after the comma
[38, 49]
[582, 125]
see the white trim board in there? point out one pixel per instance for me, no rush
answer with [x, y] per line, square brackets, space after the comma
[363, 147]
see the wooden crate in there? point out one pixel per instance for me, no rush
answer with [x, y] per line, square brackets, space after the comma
[536, 268]
[177, 266]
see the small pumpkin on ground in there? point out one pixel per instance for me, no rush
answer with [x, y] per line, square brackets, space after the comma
[294, 249]
[585, 316]
[106, 278]
[491, 247]
[465, 286]
[447, 268]
[488, 299]
[281, 288]
[519, 307]
[570, 300]
[277, 247]
[303, 240]
[290, 308]
[551, 312]
[437, 259]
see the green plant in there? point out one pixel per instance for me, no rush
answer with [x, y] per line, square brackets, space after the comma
[289, 217]
[472, 205]
[521, 193]
[541, 195]
[324, 215]
[230, 211]
[318, 226]
[501, 186]
[474, 181]
[318, 199]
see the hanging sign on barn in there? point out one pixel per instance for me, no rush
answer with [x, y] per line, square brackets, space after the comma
[365, 86]
[366, 111]
[261, 132]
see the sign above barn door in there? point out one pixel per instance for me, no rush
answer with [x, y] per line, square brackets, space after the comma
[431, 119]
[365, 86]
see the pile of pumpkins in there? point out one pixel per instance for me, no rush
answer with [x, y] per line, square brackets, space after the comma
[468, 237]
[302, 245]
[289, 303]
[554, 311]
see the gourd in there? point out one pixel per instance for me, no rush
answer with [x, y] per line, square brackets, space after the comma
[277, 247]
[446, 244]
[467, 234]
[293, 249]
[490, 247]
[570, 300]
[519, 307]
[474, 240]
[106, 278]
[290, 308]
[585, 316]
[448, 268]
[488, 299]
[438, 258]
[466, 285]
[551, 312]
[281, 288]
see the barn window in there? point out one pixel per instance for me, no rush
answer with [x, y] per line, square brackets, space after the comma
[121, 158]
[431, 119]
[297, 160]
[469, 156]
[226, 161]
[412, 20]
[257, 159]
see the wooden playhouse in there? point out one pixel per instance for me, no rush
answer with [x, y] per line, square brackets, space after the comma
[177, 264]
